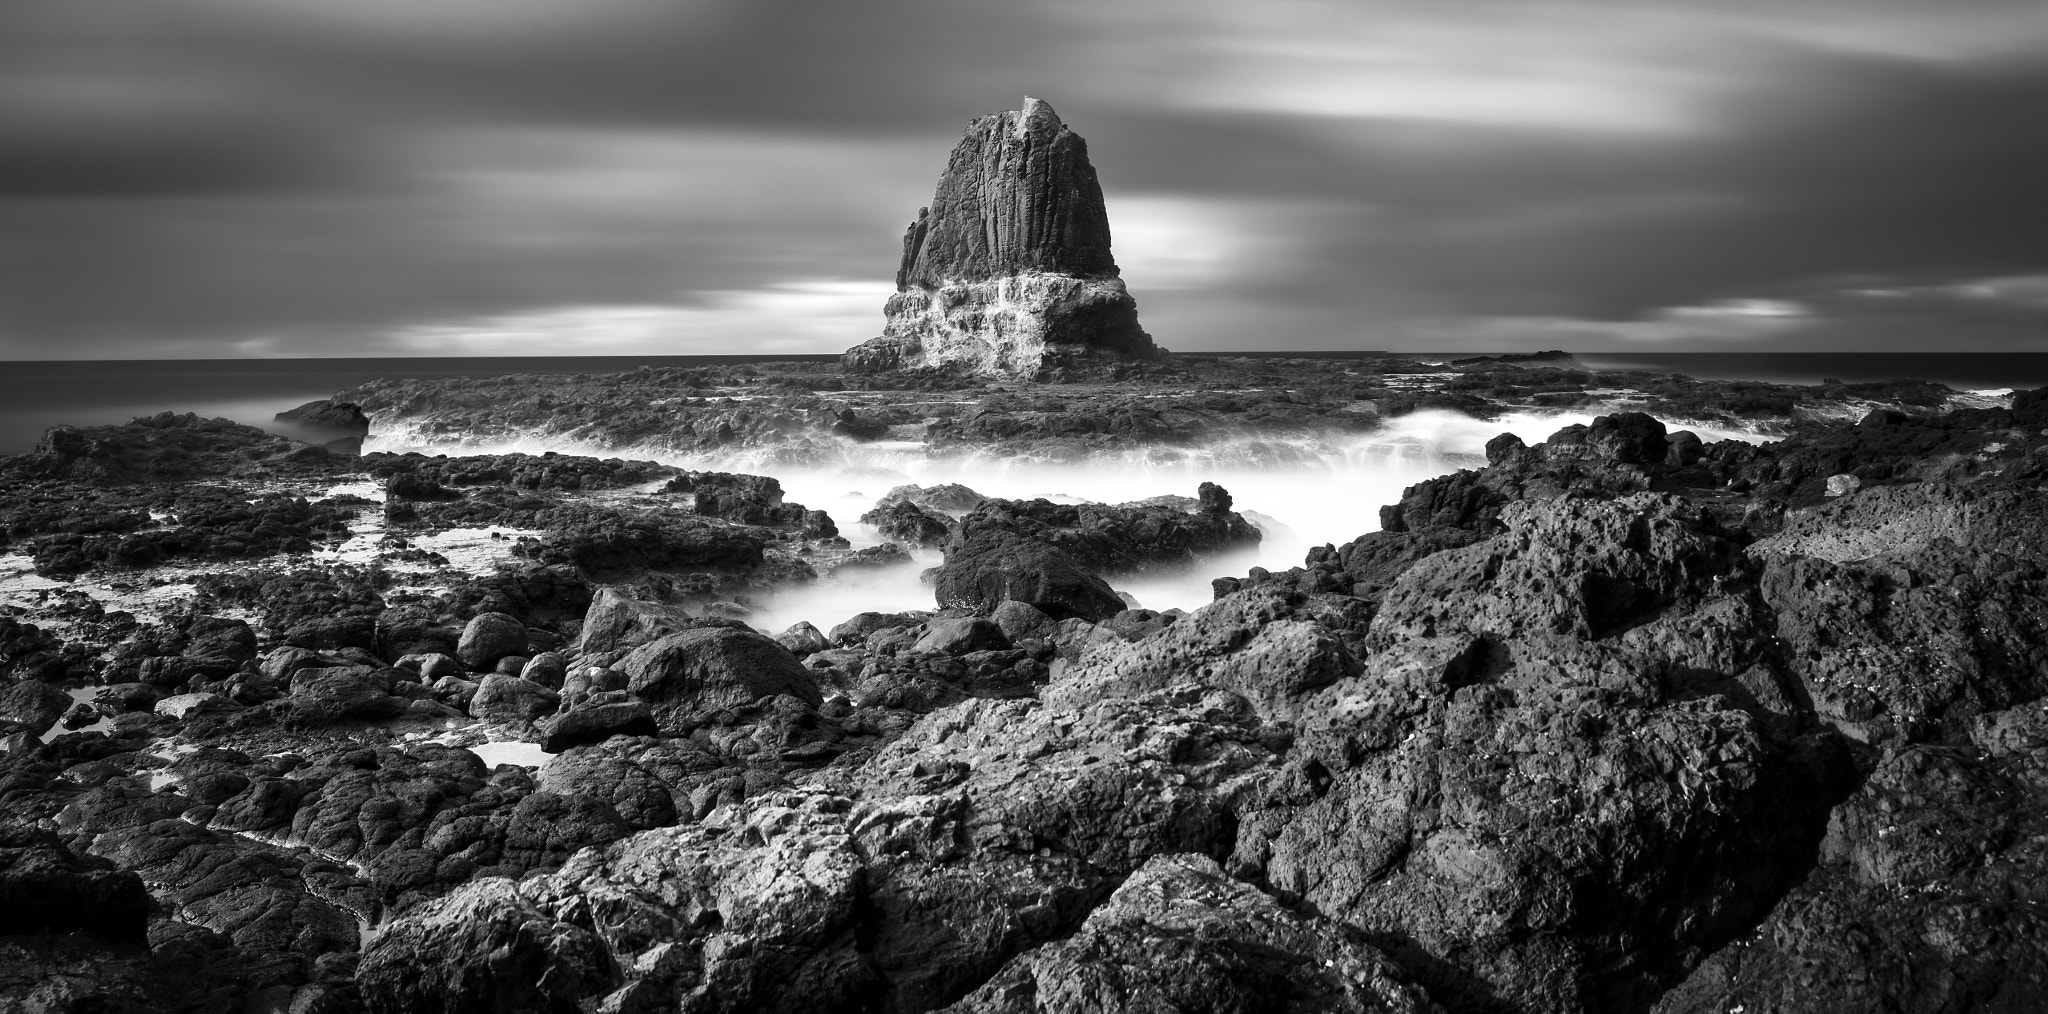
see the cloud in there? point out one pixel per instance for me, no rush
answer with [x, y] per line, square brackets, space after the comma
[313, 178]
[792, 317]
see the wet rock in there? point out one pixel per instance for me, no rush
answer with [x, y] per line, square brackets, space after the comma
[45, 888]
[943, 498]
[596, 722]
[549, 669]
[960, 635]
[183, 706]
[79, 716]
[490, 637]
[907, 523]
[547, 828]
[1020, 620]
[1180, 935]
[330, 695]
[1009, 271]
[1894, 629]
[1927, 896]
[434, 961]
[433, 667]
[122, 698]
[411, 487]
[1138, 624]
[858, 627]
[803, 639]
[511, 700]
[330, 632]
[33, 705]
[702, 676]
[748, 499]
[282, 664]
[1263, 645]
[340, 426]
[991, 569]
[617, 621]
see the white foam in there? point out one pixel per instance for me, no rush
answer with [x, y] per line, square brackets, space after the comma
[1322, 489]
[526, 755]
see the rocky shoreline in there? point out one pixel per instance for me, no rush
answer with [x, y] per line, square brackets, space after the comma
[1625, 719]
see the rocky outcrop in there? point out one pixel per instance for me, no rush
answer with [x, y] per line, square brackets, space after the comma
[1181, 935]
[339, 426]
[1052, 556]
[1009, 271]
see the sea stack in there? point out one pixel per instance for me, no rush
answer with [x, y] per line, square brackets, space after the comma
[1009, 271]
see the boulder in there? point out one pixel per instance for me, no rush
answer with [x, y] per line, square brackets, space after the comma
[511, 700]
[44, 888]
[960, 635]
[549, 669]
[329, 695]
[701, 676]
[1261, 644]
[186, 705]
[489, 637]
[1019, 620]
[803, 639]
[33, 704]
[483, 949]
[981, 574]
[859, 626]
[907, 523]
[617, 621]
[595, 723]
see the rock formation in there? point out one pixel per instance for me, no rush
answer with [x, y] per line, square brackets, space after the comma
[1009, 271]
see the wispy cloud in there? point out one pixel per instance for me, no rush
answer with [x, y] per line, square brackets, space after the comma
[190, 177]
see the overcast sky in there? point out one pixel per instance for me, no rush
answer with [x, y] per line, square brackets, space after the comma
[202, 178]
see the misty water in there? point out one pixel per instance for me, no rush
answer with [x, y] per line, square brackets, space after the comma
[1300, 494]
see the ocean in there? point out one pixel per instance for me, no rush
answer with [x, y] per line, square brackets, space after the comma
[37, 395]
[1326, 491]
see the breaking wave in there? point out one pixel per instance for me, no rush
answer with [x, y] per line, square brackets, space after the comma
[1300, 492]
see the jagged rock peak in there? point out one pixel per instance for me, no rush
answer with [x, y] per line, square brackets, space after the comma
[1018, 195]
[1008, 272]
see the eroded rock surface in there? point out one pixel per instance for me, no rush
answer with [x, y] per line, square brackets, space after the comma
[1009, 271]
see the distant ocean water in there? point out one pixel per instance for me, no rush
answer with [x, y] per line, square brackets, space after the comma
[37, 395]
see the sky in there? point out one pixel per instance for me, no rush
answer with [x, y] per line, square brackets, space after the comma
[230, 178]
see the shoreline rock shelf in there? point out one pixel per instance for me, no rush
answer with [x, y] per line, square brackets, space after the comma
[1618, 720]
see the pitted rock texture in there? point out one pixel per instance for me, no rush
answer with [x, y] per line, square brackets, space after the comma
[1018, 195]
[1009, 270]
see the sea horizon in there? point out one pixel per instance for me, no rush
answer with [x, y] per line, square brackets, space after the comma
[36, 395]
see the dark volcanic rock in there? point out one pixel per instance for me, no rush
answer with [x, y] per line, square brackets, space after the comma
[617, 620]
[1051, 555]
[985, 570]
[595, 723]
[705, 675]
[1018, 195]
[1009, 270]
[907, 523]
[339, 426]
[1929, 897]
[1180, 935]
[488, 638]
[45, 888]
[748, 499]
[431, 964]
